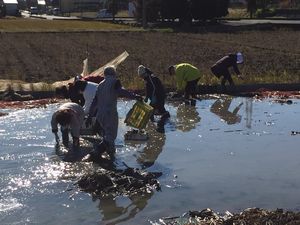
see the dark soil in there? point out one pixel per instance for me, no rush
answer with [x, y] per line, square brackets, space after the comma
[34, 57]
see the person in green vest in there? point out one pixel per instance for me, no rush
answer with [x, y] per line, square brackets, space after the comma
[187, 77]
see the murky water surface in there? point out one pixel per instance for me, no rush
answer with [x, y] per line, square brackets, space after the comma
[226, 154]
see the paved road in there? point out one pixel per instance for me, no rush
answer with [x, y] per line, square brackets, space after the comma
[244, 22]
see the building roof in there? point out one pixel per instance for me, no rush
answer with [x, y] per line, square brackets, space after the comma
[10, 1]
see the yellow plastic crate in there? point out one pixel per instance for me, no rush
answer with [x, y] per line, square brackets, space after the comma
[139, 115]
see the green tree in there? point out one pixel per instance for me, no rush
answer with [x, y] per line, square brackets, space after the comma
[175, 9]
[152, 9]
[208, 9]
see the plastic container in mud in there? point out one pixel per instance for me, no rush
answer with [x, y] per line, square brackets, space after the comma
[139, 115]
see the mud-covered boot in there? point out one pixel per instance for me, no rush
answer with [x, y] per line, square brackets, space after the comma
[111, 152]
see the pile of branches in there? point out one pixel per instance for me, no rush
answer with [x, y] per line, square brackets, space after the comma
[119, 183]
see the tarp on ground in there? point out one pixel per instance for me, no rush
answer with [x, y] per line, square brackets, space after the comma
[18, 85]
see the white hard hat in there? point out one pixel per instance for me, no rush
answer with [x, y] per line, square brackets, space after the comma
[110, 70]
[142, 71]
[239, 58]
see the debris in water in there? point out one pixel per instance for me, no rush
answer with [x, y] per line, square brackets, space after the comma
[119, 182]
[295, 132]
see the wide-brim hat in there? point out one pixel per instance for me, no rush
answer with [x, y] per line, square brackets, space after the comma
[239, 58]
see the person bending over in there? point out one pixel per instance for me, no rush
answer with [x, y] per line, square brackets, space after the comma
[221, 68]
[187, 77]
[70, 117]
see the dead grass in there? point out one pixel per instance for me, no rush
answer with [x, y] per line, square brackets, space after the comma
[271, 56]
[39, 25]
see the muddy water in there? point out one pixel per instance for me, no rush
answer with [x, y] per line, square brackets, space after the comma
[226, 154]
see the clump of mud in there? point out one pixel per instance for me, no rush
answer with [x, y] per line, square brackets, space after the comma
[121, 182]
[248, 216]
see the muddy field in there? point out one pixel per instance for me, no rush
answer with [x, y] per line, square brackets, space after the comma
[271, 56]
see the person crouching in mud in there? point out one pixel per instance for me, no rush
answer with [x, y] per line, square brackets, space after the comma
[70, 117]
[104, 106]
[155, 92]
[220, 68]
[187, 77]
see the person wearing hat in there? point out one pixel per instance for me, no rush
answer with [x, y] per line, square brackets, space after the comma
[155, 91]
[221, 68]
[187, 77]
[104, 107]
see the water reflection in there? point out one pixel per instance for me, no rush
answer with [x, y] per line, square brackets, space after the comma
[249, 110]
[113, 213]
[154, 146]
[187, 117]
[221, 108]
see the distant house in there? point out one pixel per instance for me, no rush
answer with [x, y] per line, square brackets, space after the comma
[11, 7]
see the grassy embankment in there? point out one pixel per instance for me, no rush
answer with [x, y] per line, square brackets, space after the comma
[43, 25]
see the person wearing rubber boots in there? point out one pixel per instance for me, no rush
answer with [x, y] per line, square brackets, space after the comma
[70, 117]
[221, 68]
[187, 77]
[155, 92]
[104, 107]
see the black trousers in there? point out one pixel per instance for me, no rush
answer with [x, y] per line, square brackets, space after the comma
[191, 89]
[226, 76]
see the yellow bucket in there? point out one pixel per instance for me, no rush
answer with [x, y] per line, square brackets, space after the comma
[139, 115]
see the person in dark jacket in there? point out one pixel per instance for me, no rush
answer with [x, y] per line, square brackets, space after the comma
[221, 68]
[155, 91]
